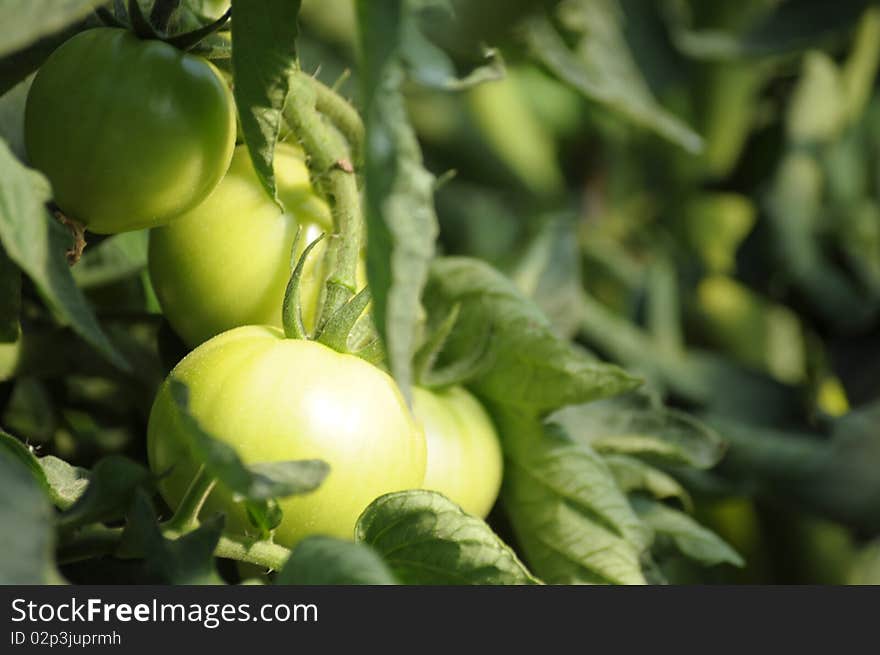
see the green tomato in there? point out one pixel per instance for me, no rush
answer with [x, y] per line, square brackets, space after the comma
[276, 399]
[464, 452]
[226, 263]
[130, 133]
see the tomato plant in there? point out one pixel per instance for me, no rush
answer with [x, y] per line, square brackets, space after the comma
[648, 293]
[130, 133]
[277, 399]
[464, 453]
[226, 262]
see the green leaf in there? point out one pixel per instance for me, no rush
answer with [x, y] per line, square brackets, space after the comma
[282, 479]
[635, 425]
[16, 67]
[633, 474]
[818, 106]
[776, 28]
[533, 368]
[462, 26]
[116, 258]
[260, 481]
[187, 560]
[401, 221]
[573, 522]
[263, 61]
[695, 375]
[17, 450]
[66, 483]
[601, 66]
[26, 21]
[427, 539]
[503, 108]
[688, 536]
[796, 25]
[328, 561]
[715, 225]
[112, 485]
[430, 66]
[26, 534]
[37, 243]
[860, 70]
[795, 210]
[12, 110]
[264, 515]
[762, 334]
[550, 274]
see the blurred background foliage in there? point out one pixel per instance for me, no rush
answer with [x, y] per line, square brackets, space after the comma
[688, 188]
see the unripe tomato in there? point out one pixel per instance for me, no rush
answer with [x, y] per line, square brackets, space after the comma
[276, 399]
[464, 452]
[130, 133]
[226, 263]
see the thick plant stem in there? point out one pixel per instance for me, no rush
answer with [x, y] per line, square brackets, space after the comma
[330, 164]
[261, 553]
[187, 515]
[99, 541]
[341, 114]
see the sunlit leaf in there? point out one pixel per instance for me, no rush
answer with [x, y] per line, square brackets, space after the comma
[427, 539]
[573, 522]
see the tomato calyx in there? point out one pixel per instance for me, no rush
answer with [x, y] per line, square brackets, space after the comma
[189, 40]
[155, 27]
[291, 312]
[338, 330]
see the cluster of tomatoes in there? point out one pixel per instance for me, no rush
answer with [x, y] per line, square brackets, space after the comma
[147, 139]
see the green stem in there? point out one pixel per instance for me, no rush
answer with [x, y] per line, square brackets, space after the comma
[98, 541]
[262, 553]
[340, 112]
[186, 517]
[332, 172]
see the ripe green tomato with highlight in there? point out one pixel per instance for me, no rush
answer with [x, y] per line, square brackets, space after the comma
[277, 399]
[464, 452]
[130, 133]
[226, 263]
